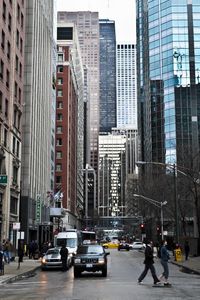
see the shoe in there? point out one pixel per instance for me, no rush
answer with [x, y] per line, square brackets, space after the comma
[167, 283]
[157, 283]
[140, 282]
[160, 277]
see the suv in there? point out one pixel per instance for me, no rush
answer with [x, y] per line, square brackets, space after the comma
[90, 258]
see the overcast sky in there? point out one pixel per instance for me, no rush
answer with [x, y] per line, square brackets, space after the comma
[122, 12]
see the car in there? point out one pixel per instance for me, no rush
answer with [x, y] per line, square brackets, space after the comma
[90, 258]
[137, 246]
[111, 245]
[123, 246]
[52, 259]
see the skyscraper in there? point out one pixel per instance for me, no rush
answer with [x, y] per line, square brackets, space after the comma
[168, 81]
[88, 34]
[107, 75]
[126, 86]
[37, 119]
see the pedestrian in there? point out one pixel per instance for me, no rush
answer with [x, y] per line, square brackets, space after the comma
[7, 251]
[148, 261]
[187, 249]
[164, 258]
[20, 254]
[64, 257]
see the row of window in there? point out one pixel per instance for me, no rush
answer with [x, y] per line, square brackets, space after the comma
[4, 108]
[20, 16]
[4, 140]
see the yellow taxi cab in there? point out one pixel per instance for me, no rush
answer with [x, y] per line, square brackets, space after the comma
[111, 245]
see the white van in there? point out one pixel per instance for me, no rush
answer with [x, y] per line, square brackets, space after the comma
[69, 238]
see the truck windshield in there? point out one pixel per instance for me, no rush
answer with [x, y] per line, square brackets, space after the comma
[69, 242]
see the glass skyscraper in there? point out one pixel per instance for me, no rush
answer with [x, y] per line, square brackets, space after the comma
[168, 41]
[107, 75]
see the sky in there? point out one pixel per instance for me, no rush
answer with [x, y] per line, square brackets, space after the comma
[122, 12]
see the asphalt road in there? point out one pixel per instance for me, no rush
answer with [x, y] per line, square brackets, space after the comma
[121, 283]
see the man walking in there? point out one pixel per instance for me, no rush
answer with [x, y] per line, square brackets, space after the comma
[64, 257]
[164, 257]
[148, 261]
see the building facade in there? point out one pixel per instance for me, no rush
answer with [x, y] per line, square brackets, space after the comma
[88, 34]
[37, 120]
[126, 86]
[69, 124]
[12, 40]
[107, 75]
[168, 94]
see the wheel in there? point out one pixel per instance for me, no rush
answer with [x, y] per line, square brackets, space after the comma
[127, 249]
[77, 273]
[118, 249]
[104, 272]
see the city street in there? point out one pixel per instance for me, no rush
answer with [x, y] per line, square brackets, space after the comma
[123, 270]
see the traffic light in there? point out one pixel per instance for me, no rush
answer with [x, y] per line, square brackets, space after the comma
[142, 227]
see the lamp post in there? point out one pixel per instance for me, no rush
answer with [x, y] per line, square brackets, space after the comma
[158, 204]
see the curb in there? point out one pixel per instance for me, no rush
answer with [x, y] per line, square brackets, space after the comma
[26, 274]
[187, 269]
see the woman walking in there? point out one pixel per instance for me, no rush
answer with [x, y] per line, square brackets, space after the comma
[164, 257]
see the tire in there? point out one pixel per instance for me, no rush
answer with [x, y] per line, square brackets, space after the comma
[118, 249]
[104, 272]
[77, 273]
[127, 249]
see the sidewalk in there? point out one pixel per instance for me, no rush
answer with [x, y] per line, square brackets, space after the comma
[192, 265]
[11, 273]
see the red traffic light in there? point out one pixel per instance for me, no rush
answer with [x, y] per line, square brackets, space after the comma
[142, 225]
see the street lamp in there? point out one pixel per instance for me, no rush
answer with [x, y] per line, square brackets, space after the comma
[158, 204]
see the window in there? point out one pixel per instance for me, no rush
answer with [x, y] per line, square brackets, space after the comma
[9, 22]
[60, 57]
[13, 145]
[20, 95]
[18, 12]
[59, 117]
[19, 121]
[22, 21]
[20, 70]
[15, 175]
[4, 11]
[1, 101]
[16, 63]
[58, 179]
[6, 108]
[58, 167]
[60, 69]
[21, 45]
[16, 87]
[7, 79]
[8, 50]
[59, 142]
[17, 153]
[59, 93]
[59, 154]
[64, 33]
[1, 69]
[59, 104]
[60, 81]
[17, 38]
[13, 205]
[59, 129]
[2, 39]
[15, 117]
[5, 138]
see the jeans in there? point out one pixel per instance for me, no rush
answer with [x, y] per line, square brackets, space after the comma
[166, 269]
[153, 273]
[7, 256]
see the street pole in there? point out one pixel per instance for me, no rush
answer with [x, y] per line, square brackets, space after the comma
[161, 220]
[176, 205]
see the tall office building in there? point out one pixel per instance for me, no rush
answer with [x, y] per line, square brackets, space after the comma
[69, 123]
[12, 39]
[126, 86]
[168, 81]
[88, 33]
[107, 75]
[37, 120]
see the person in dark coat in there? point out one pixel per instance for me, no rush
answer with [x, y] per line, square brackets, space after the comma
[148, 261]
[186, 249]
[64, 257]
[164, 257]
[20, 254]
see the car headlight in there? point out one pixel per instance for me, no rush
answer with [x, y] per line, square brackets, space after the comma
[101, 260]
[77, 260]
[70, 255]
[43, 260]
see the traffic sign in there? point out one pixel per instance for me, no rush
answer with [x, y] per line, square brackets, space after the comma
[4, 179]
[38, 209]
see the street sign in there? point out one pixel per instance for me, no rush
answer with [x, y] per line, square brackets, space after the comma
[3, 179]
[38, 209]
[16, 226]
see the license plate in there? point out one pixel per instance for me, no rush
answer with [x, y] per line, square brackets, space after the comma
[89, 265]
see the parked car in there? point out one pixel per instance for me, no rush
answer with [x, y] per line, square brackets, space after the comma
[90, 258]
[52, 259]
[123, 246]
[137, 246]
